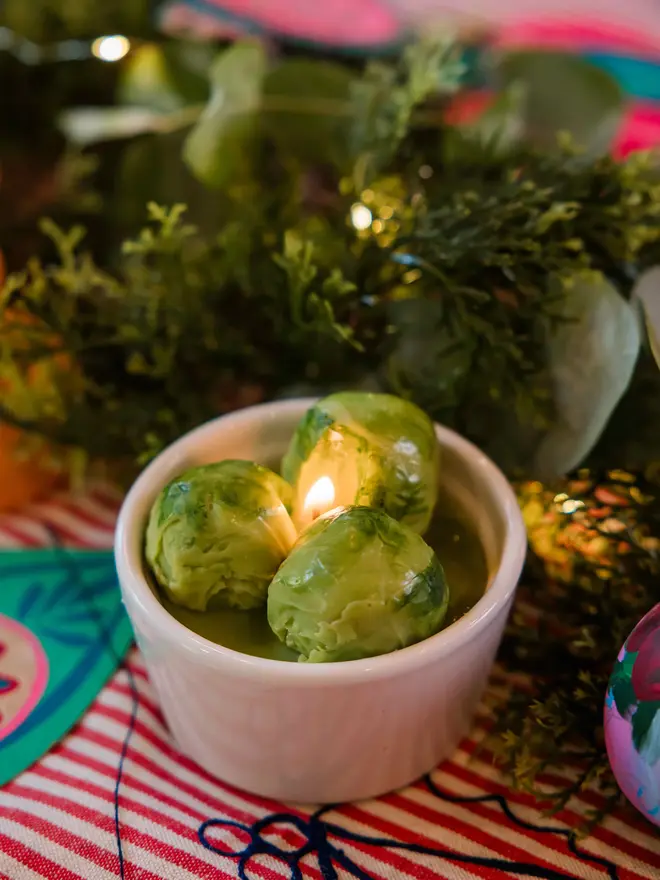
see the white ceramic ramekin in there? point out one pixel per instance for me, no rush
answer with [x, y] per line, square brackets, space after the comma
[320, 733]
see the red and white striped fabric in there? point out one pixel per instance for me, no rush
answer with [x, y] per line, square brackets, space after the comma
[57, 820]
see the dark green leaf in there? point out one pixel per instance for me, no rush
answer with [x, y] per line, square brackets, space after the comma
[306, 109]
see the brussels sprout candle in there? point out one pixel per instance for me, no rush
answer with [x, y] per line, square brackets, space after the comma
[357, 584]
[218, 533]
[373, 450]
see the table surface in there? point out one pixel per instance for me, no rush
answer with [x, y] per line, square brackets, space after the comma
[57, 820]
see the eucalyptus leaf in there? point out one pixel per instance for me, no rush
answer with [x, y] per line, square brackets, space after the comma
[647, 294]
[219, 145]
[306, 104]
[566, 93]
[89, 125]
[591, 359]
[428, 361]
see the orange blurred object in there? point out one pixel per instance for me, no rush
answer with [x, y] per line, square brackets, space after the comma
[24, 480]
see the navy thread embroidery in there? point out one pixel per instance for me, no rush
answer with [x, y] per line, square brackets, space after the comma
[499, 799]
[135, 700]
[76, 584]
[320, 837]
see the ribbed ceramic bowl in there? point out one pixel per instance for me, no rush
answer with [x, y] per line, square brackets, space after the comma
[320, 733]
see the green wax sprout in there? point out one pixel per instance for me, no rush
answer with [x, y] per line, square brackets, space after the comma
[377, 450]
[218, 533]
[357, 584]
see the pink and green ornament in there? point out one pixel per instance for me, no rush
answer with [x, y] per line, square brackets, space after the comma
[632, 717]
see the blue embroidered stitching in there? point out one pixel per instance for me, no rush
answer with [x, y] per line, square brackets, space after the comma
[318, 833]
[135, 698]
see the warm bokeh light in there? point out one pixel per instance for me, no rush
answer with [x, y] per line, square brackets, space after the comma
[111, 48]
[361, 216]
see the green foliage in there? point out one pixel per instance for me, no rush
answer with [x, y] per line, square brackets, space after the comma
[138, 343]
[151, 166]
[440, 292]
[316, 110]
[312, 310]
[484, 248]
[500, 127]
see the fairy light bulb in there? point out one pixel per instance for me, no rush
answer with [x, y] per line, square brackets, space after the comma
[111, 48]
[361, 216]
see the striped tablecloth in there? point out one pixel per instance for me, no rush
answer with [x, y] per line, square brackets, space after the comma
[59, 820]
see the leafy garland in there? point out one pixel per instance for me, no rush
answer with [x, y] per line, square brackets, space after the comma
[443, 296]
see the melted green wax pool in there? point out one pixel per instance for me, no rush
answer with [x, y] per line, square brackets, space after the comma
[458, 549]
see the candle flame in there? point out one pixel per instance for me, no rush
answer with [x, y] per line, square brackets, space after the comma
[320, 497]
